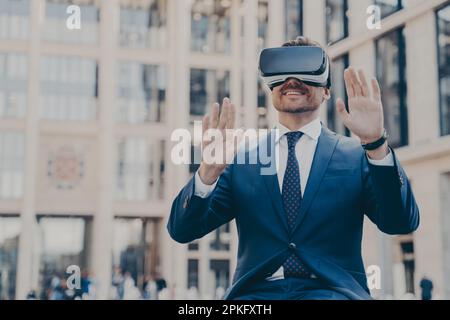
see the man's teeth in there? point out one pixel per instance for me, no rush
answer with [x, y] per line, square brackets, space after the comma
[293, 92]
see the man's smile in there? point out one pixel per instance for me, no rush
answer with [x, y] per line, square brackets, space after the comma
[294, 92]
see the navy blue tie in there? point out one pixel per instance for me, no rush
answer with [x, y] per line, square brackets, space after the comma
[292, 198]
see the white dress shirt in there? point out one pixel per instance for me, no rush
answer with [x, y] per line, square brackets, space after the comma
[304, 150]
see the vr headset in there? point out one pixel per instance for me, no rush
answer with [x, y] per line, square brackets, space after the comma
[306, 63]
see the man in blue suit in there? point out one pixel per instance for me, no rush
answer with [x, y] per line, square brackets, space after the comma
[300, 229]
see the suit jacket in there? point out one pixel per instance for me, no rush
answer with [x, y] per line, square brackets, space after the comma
[342, 187]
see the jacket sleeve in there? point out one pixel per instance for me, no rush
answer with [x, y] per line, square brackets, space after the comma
[388, 199]
[192, 217]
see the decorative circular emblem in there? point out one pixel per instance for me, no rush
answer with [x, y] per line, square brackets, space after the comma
[65, 168]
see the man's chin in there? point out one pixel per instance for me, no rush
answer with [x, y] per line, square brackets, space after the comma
[297, 109]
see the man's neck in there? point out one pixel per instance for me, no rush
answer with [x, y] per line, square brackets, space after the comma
[294, 121]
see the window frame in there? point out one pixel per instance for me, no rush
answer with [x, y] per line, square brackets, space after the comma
[345, 21]
[346, 58]
[442, 133]
[299, 24]
[399, 7]
[402, 86]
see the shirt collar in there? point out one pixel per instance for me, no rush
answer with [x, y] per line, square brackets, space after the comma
[311, 129]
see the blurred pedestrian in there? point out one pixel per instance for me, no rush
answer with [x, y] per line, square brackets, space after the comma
[150, 288]
[55, 291]
[31, 295]
[160, 281]
[117, 282]
[220, 291]
[192, 293]
[427, 287]
[130, 291]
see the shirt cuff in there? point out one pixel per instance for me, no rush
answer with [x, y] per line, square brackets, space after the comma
[386, 161]
[201, 189]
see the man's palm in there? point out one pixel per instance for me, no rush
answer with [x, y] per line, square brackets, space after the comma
[365, 115]
[209, 172]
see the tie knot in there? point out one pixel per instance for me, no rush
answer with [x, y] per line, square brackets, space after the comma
[293, 137]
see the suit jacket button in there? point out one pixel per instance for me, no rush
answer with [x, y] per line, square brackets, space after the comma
[292, 246]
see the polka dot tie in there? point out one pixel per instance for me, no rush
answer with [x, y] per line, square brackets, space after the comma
[292, 198]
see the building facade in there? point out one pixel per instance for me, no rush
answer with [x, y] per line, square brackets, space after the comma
[86, 118]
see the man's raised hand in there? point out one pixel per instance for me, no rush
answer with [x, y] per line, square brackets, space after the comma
[218, 141]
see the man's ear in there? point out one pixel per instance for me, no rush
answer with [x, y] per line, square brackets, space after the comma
[326, 93]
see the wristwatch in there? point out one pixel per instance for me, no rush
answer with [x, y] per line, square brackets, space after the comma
[374, 145]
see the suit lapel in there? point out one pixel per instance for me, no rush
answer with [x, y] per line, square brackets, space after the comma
[271, 180]
[324, 150]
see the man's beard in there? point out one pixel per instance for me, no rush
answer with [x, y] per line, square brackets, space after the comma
[297, 110]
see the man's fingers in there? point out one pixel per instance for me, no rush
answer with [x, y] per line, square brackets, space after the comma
[205, 123]
[355, 82]
[340, 106]
[214, 118]
[205, 127]
[364, 86]
[348, 84]
[224, 113]
[375, 89]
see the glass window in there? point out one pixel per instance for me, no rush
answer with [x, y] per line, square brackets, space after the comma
[242, 38]
[221, 238]
[407, 250]
[262, 105]
[192, 273]
[263, 23]
[334, 121]
[443, 23]
[336, 25]
[207, 87]
[388, 7]
[69, 88]
[14, 19]
[391, 74]
[62, 242]
[12, 156]
[294, 19]
[444, 228]
[135, 256]
[140, 169]
[9, 247]
[143, 24]
[13, 85]
[219, 277]
[55, 23]
[142, 92]
[193, 246]
[210, 26]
